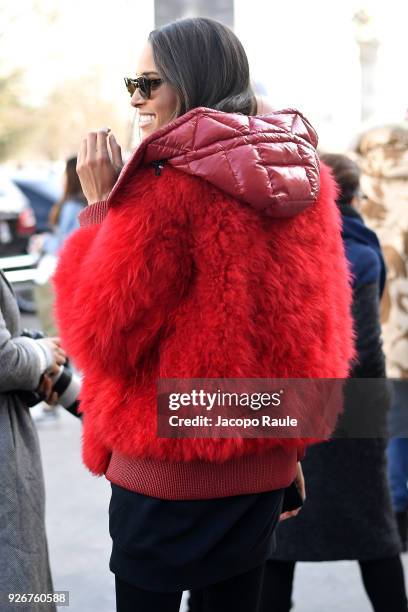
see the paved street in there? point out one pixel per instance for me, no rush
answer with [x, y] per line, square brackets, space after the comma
[77, 506]
[77, 524]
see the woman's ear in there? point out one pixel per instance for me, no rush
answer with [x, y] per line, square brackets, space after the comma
[356, 203]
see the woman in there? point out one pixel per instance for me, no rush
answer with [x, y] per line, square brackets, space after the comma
[63, 220]
[206, 259]
[64, 214]
[24, 366]
[348, 512]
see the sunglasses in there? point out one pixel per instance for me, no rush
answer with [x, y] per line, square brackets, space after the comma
[144, 85]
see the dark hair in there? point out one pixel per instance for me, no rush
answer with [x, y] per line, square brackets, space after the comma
[73, 187]
[347, 175]
[72, 190]
[206, 64]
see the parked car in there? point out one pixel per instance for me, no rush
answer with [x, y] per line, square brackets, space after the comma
[17, 219]
[42, 193]
[25, 203]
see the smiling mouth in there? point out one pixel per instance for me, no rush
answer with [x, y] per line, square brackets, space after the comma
[146, 119]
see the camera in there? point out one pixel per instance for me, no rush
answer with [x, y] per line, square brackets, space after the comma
[66, 383]
[35, 334]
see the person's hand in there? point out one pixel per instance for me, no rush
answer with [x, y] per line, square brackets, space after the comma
[45, 388]
[97, 171]
[300, 483]
[36, 243]
[58, 353]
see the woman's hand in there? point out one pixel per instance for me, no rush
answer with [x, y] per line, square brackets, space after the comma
[96, 171]
[300, 483]
[58, 353]
[45, 388]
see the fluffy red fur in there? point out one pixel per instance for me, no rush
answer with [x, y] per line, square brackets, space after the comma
[183, 281]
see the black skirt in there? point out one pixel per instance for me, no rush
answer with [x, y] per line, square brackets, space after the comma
[165, 546]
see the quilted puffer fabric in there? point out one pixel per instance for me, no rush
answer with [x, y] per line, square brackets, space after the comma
[266, 161]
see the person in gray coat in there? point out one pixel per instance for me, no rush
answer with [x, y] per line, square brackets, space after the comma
[25, 365]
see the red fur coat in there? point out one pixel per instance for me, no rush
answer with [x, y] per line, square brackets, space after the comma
[182, 279]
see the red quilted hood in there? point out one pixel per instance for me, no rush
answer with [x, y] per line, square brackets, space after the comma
[266, 161]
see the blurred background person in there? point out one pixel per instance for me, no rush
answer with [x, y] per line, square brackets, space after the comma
[63, 221]
[348, 513]
[26, 365]
[383, 156]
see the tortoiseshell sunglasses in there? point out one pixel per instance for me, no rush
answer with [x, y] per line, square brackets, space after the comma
[144, 84]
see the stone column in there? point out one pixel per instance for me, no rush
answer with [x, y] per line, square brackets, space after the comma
[368, 43]
[221, 10]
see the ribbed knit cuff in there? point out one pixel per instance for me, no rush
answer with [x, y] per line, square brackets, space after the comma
[94, 213]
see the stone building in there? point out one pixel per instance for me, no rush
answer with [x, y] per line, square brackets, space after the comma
[222, 10]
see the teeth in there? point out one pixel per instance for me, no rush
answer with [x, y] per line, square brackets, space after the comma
[146, 118]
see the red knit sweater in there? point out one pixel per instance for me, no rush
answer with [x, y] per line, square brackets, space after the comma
[174, 277]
